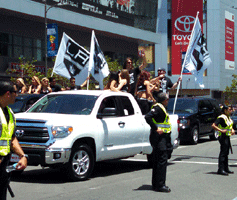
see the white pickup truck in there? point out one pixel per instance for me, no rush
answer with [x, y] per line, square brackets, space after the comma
[75, 129]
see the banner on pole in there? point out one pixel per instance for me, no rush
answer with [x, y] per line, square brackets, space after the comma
[72, 60]
[98, 67]
[52, 40]
[197, 56]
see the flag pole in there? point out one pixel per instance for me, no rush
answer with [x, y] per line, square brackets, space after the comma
[88, 80]
[176, 96]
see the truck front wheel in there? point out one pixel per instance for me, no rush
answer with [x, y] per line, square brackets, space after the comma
[81, 163]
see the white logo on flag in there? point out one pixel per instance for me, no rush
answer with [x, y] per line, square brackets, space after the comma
[72, 60]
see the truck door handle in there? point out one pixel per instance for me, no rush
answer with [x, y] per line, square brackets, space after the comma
[121, 123]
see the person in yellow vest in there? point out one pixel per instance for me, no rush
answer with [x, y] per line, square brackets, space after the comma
[8, 141]
[160, 140]
[224, 125]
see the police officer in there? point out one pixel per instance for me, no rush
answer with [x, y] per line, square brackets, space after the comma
[8, 141]
[224, 125]
[160, 141]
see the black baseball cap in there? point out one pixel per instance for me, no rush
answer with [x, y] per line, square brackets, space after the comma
[161, 69]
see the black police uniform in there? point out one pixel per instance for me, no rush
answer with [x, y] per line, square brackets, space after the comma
[224, 141]
[161, 145]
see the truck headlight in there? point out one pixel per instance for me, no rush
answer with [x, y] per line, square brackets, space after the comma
[61, 131]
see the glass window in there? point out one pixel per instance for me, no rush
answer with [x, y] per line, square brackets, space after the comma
[28, 53]
[28, 42]
[17, 40]
[38, 54]
[127, 106]
[183, 105]
[17, 51]
[37, 43]
[4, 38]
[65, 104]
[205, 105]
[9, 50]
[145, 14]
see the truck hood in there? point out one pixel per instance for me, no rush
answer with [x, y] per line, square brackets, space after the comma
[54, 119]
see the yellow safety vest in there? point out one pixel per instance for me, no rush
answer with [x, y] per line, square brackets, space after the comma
[6, 131]
[229, 124]
[166, 125]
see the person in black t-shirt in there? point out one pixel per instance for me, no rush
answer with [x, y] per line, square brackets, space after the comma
[55, 87]
[77, 87]
[163, 83]
[134, 72]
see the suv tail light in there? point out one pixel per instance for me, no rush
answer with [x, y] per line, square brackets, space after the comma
[178, 121]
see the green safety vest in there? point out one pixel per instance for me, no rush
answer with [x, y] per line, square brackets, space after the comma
[6, 131]
[229, 124]
[166, 125]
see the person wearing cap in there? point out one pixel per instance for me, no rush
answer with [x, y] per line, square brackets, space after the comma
[160, 139]
[163, 82]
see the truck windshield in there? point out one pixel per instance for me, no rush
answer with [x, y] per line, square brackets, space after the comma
[183, 105]
[65, 104]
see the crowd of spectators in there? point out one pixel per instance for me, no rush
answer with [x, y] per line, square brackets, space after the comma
[134, 80]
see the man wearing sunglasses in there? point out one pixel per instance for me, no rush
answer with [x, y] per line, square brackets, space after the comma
[134, 72]
[160, 140]
[8, 141]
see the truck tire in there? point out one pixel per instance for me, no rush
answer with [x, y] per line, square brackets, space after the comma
[194, 135]
[81, 163]
[214, 135]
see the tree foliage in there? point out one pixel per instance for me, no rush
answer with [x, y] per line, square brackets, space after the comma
[27, 70]
[231, 91]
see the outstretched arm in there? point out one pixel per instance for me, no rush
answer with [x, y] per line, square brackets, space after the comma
[16, 148]
[144, 63]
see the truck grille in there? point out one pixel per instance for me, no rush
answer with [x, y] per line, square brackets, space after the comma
[34, 131]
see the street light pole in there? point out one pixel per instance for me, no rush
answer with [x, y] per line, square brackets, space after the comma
[45, 37]
[45, 21]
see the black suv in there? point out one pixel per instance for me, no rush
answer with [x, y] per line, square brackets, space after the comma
[196, 116]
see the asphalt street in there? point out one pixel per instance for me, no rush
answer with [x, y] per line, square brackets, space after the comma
[191, 175]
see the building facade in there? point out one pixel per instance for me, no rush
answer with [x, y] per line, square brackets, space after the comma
[219, 29]
[120, 27]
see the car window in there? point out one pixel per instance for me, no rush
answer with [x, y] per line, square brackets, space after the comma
[17, 106]
[216, 106]
[29, 103]
[107, 102]
[183, 105]
[205, 105]
[127, 106]
[65, 104]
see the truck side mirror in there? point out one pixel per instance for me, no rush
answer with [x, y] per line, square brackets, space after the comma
[107, 112]
[204, 109]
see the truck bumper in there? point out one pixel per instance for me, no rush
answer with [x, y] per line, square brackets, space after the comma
[53, 156]
[47, 156]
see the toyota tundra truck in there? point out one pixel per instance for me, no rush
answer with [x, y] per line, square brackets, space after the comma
[75, 129]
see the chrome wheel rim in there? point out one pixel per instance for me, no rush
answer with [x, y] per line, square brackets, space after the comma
[195, 135]
[80, 162]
